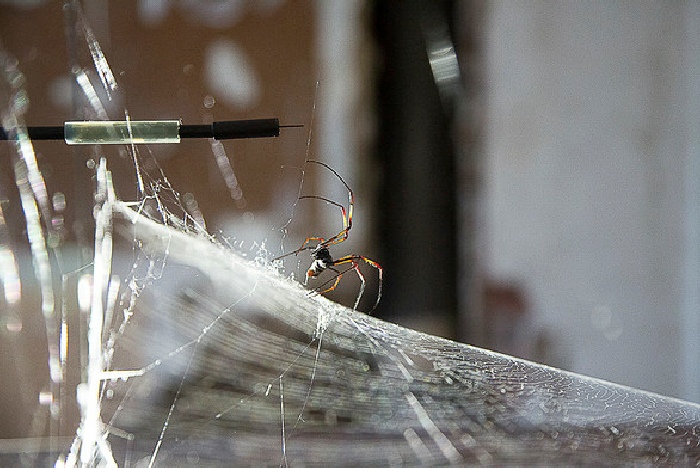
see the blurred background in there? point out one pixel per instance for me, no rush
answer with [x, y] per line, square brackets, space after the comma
[527, 173]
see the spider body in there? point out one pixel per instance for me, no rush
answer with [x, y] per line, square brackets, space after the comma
[321, 258]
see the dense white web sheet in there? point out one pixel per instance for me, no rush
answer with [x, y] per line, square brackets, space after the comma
[199, 355]
[246, 366]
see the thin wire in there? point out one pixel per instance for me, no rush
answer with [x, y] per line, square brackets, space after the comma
[284, 227]
[284, 437]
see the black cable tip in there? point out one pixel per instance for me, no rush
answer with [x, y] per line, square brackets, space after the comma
[36, 133]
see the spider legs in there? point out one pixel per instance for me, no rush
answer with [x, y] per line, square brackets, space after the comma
[354, 260]
[339, 275]
[304, 246]
[346, 214]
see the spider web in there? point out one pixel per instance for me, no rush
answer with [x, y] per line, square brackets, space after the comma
[201, 355]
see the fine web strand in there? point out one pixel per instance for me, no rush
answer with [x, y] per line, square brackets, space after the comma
[9, 269]
[166, 423]
[35, 206]
[109, 83]
[83, 80]
[283, 435]
[302, 170]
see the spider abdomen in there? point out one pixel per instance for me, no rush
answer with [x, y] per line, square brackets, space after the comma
[321, 260]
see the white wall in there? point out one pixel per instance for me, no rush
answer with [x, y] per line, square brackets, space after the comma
[586, 151]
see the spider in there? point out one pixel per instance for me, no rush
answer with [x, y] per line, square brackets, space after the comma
[320, 254]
